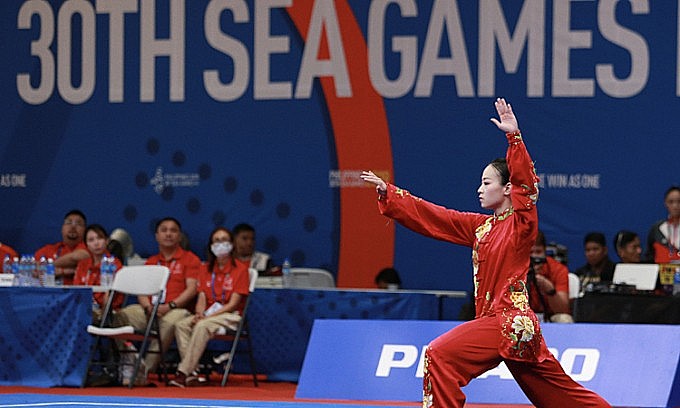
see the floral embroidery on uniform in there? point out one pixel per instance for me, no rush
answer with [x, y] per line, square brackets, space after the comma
[519, 297]
[518, 326]
[427, 383]
[480, 233]
[522, 325]
[482, 230]
[505, 214]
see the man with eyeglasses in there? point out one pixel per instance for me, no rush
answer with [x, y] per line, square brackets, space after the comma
[71, 250]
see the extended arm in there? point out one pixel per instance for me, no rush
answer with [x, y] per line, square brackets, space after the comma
[423, 217]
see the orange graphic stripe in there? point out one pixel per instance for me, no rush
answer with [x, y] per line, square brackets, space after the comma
[362, 142]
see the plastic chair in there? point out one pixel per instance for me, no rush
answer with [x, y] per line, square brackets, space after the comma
[574, 286]
[311, 278]
[141, 280]
[238, 336]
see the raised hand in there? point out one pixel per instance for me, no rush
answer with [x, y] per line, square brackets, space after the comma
[508, 121]
[370, 177]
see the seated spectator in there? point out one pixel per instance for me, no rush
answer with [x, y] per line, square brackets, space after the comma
[628, 247]
[88, 270]
[6, 251]
[223, 286]
[598, 267]
[71, 250]
[548, 282]
[663, 240]
[180, 290]
[388, 278]
[244, 249]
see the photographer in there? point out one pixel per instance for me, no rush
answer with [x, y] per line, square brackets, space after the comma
[548, 282]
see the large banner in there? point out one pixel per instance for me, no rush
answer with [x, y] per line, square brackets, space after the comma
[383, 360]
[223, 111]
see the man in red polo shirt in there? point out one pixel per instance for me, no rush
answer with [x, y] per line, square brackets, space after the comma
[70, 250]
[180, 290]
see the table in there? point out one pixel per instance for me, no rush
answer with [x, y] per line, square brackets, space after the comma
[281, 319]
[43, 335]
[621, 308]
[45, 343]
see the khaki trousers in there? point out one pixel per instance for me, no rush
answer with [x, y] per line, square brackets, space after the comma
[135, 316]
[193, 339]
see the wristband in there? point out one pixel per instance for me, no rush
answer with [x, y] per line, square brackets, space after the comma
[172, 305]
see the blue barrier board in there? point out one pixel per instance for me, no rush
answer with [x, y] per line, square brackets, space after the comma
[629, 365]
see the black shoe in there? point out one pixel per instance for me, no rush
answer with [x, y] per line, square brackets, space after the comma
[179, 380]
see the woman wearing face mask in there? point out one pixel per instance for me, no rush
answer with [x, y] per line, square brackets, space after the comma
[222, 291]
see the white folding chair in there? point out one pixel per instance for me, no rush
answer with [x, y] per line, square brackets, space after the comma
[574, 286]
[140, 280]
[311, 278]
[235, 337]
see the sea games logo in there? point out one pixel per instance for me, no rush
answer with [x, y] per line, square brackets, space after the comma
[161, 181]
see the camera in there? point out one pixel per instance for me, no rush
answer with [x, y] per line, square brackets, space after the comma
[537, 260]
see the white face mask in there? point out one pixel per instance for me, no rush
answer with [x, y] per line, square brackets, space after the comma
[221, 248]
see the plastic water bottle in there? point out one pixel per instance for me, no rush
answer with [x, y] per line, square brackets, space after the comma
[49, 279]
[33, 266]
[106, 272]
[7, 264]
[7, 268]
[40, 269]
[112, 269]
[30, 276]
[285, 271]
[24, 273]
[16, 271]
[676, 282]
[127, 363]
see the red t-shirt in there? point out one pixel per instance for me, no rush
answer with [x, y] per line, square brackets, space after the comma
[219, 284]
[501, 246]
[90, 275]
[183, 265]
[558, 274]
[57, 250]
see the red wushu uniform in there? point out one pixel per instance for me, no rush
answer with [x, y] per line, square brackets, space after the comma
[505, 328]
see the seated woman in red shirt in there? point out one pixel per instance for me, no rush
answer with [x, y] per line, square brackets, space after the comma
[88, 271]
[223, 286]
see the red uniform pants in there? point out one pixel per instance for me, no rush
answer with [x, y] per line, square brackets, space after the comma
[453, 359]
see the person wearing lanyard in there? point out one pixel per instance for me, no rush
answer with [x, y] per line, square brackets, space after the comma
[222, 290]
[663, 240]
